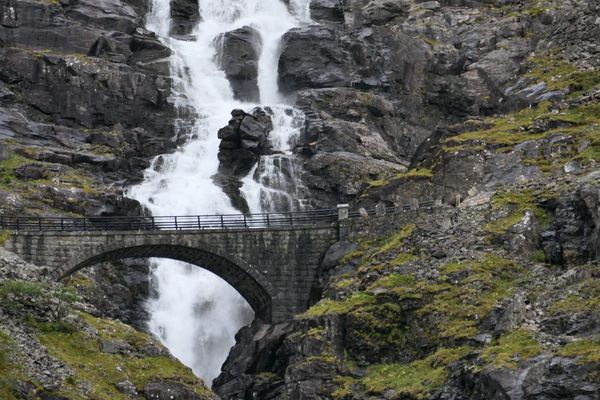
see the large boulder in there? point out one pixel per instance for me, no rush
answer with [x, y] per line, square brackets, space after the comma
[243, 141]
[238, 57]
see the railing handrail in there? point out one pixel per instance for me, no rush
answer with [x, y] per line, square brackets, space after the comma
[190, 222]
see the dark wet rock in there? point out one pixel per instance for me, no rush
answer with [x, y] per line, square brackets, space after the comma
[185, 15]
[343, 175]
[381, 11]
[258, 348]
[238, 56]
[243, 141]
[31, 171]
[312, 58]
[327, 10]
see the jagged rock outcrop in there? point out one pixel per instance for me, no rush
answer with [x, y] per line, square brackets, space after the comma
[238, 56]
[243, 141]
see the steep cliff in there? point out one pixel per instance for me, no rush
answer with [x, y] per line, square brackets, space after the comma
[489, 107]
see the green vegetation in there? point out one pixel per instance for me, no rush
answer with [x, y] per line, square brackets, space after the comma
[468, 292]
[583, 297]
[7, 168]
[419, 173]
[503, 133]
[17, 295]
[415, 379]
[559, 74]
[328, 306]
[10, 370]
[520, 202]
[396, 240]
[100, 371]
[586, 351]
[511, 348]
[4, 236]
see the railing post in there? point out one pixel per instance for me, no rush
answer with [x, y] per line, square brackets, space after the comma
[268, 221]
[291, 219]
[245, 223]
[153, 224]
[343, 221]
[176, 226]
[199, 225]
[222, 223]
[40, 224]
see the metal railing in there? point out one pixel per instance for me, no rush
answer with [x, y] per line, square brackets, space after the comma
[193, 222]
[184, 222]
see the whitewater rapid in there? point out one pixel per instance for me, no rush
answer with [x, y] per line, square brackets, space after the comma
[195, 313]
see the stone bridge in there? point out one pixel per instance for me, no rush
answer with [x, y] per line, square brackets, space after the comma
[272, 260]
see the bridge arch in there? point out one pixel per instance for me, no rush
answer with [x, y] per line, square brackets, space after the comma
[254, 287]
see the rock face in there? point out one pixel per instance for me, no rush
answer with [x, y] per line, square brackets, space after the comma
[491, 296]
[93, 101]
[243, 141]
[474, 318]
[185, 15]
[430, 64]
[238, 56]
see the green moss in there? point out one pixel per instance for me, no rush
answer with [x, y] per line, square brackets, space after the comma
[520, 203]
[8, 167]
[583, 297]
[512, 348]
[16, 295]
[586, 351]
[328, 306]
[101, 372]
[396, 240]
[4, 236]
[538, 256]
[377, 326]
[402, 258]
[394, 280]
[459, 305]
[415, 379]
[347, 386]
[344, 283]
[504, 132]
[559, 74]
[419, 173]
[511, 129]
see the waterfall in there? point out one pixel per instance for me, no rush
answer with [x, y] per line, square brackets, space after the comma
[195, 313]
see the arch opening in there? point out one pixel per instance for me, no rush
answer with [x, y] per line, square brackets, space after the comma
[249, 282]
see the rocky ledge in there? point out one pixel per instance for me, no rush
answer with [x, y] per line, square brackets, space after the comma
[53, 346]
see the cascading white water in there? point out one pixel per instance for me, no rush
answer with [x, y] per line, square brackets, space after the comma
[196, 314]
